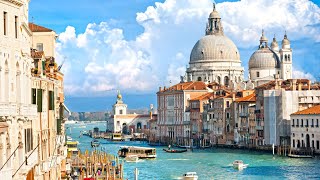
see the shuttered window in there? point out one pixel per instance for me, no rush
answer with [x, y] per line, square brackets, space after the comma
[39, 100]
[34, 96]
[51, 100]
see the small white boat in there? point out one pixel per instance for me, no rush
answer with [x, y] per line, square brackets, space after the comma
[69, 138]
[190, 176]
[238, 164]
[132, 158]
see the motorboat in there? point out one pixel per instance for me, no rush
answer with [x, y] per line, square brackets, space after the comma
[141, 152]
[175, 150]
[69, 138]
[238, 164]
[190, 176]
[132, 158]
[95, 143]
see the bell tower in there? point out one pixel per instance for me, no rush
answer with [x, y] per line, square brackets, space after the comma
[286, 58]
[119, 108]
[214, 25]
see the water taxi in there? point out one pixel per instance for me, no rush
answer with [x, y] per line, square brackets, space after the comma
[72, 148]
[238, 164]
[175, 150]
[190, 176]
[141, 152]
[132, 158]
[95, 143]
[116, 137]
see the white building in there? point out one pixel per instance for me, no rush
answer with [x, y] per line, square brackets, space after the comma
[215, 58]
[266, 62]
[305, 131]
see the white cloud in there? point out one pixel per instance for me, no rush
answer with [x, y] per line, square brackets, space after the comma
[101, 58]
[299, 74]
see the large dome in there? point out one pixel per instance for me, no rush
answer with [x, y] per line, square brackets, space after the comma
[214, 48]
[264, 59]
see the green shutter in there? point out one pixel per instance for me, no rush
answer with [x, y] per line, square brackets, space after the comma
[59, 126]
[51, 100]
[44, 67]
[34, 96]
[39, 100]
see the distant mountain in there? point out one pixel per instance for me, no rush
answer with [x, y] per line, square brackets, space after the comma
[103, 104]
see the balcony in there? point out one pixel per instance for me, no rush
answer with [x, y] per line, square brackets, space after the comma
[8, 109]
[6, 173]
[28, 110]
[297, 125]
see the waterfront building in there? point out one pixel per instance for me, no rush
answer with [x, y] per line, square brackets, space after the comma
[122, 122]
[173, 122]
[18, 143]
[244, 132]
[305, 131]
[268, 61]
[215, 58]
[276, 101]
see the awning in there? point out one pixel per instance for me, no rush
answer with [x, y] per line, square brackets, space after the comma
[66, 108]
[3, 127]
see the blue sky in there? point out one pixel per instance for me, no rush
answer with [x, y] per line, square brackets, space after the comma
[139, 45]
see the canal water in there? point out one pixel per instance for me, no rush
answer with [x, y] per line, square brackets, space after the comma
[209, 164]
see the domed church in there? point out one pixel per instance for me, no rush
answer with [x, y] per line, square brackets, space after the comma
[215, 58]
[268, 63]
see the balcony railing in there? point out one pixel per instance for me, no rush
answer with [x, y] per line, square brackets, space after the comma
[6, 174]
[8, 109]
[28, 110]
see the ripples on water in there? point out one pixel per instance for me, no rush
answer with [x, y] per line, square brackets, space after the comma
[209, 164]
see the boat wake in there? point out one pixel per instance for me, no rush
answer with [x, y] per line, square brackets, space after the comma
[178, 159]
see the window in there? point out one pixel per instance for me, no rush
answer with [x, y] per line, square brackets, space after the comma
[312, 123]
[293, 143]
[39, 46]
[258, 74]
[317, 123]
[317, 144]
[293, 134]
[28, 140]
[307, 123]
[16, 26]
[301, 122]
[51, 100]
[5, 23]
[34, 96]
[312, 143]
[199, 78]
[228, 104]
[301, 135]
[297, 123]
[292, 122]
[312, 135]
[302, 143]
[228, 115]
[121, 111]
[39, 99]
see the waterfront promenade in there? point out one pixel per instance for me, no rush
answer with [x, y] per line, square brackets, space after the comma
[209, 164]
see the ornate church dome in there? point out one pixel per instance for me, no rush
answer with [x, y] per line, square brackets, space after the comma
[214, 48]
[264, 59]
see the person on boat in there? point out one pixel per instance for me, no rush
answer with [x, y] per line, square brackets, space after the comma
[169, 147]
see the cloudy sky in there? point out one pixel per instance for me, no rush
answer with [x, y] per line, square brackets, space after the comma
[139, 45]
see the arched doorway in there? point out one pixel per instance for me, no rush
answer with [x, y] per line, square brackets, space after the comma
[124, 128]
[298, 144]
[308, 140]
[139, 127]
[226, 81]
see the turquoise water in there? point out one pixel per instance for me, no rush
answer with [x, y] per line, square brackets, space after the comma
[209, 164]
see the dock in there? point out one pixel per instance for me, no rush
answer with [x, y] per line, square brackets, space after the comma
[95, 165]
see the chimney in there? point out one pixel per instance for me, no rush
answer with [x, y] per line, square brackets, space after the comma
[309, 84]
[160, 89]
[299, 86]
[294, 84]
[233, 96]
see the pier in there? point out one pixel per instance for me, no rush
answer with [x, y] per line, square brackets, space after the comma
[95, 165]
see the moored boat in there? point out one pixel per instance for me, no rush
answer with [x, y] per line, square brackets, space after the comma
[190, 176]
[175, 150]
[141, 152]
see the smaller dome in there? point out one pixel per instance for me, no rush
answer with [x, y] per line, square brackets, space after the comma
[285, 40]
[265, 59]
[214, 14]
[263, 38]
[274, 43]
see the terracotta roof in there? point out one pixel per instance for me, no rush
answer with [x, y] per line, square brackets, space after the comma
[312, 110]
[37, 54]
[249, 98]
[37, 28]
[203, 96]
[197, 85]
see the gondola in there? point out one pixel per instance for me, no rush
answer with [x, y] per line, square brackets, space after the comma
[175, 150]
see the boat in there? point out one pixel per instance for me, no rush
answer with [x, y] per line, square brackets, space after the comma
[71, 122]
[95, 143]
[132, 158]
[69, 138]
[72, 148]
[175, 150]
[190, 176]
[141, 152]
[238, 164]
[116, 137]
[299, 156]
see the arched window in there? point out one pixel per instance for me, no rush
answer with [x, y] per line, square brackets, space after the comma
[18, 89]
[298, 144]
[226, 81]
[285, 57]
[199, 79]
[6, 81]
[218, 79]
[293, 143]
[289, 57]
[258, 74]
